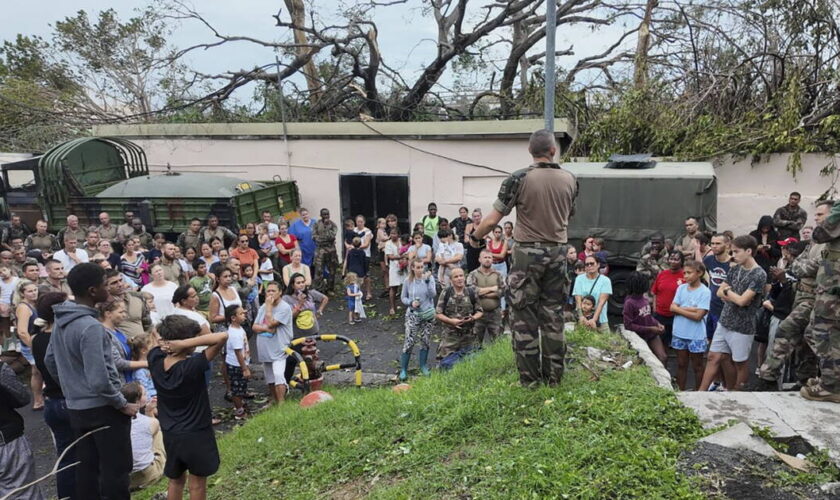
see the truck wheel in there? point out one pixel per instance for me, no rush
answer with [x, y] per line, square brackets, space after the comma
[619, 276]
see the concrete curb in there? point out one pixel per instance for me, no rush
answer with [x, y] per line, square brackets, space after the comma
[659, 372]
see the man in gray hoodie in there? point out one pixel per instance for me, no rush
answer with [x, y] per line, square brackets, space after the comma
[79, 358]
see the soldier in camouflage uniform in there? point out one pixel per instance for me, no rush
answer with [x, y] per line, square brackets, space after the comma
[323, 233]
[655, 260]
[490, 287]
[790, 334]
[824, 330]
[543, 195]
[457, 308]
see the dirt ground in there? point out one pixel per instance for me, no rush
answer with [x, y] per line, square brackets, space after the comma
[744, 475]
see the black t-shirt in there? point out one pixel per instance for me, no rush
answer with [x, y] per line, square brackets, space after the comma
[183, 405]
[40, 342]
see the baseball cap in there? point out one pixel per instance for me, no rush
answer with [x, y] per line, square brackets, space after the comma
[787, 241]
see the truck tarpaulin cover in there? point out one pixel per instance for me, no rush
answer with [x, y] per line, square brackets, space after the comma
[626, 206]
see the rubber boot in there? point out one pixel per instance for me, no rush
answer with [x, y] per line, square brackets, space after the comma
[404, 366]
[422, 358]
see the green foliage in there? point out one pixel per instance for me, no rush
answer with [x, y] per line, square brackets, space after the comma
[470, 433]
[648, 121]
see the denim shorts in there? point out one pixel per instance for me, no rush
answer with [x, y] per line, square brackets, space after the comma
[692, 346]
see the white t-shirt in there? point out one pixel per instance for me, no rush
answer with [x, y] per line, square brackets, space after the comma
[141, 442]
[163, 297]
[237, 339]
[65, 259]
[267, 270]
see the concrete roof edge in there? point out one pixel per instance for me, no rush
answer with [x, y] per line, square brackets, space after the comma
[337, 130]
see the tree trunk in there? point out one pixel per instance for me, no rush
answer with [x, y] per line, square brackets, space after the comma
[298, 13]
[640, 73]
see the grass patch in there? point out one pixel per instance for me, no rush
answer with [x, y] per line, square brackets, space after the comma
[472, 432]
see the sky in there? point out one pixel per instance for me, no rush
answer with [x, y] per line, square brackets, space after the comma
[406, 36]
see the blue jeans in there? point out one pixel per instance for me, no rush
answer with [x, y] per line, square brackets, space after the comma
[57, 419]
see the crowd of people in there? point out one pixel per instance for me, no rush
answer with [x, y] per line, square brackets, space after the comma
[121, 326]
[713, 295]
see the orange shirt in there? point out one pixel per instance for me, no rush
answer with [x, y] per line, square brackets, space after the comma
[247, 256]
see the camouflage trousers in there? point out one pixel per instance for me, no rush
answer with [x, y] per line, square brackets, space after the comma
[326, 259]
[824, 331]
[454, 339]
[488, 327]
[537, 289]
[790, 338]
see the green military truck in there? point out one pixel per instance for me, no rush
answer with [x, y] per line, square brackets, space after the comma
[108, 174]
[628, 199]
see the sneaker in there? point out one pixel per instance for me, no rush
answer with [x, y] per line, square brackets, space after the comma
[239, 414]
[818, 393]
[714, 387]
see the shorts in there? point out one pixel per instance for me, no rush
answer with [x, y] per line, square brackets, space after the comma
[727, 341]
[238, 383]
[194, 452]
[692, 346]
[275, 372]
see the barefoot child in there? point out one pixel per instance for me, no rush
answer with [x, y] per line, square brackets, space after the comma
[690, 305]
[237, 357]
[353, 293]
[183, 404]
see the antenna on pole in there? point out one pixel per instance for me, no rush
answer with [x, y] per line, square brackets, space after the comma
[550, 72]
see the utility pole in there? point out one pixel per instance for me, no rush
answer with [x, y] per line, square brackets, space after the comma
[550, 73]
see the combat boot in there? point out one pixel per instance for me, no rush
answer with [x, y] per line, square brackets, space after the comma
[404, 366]
[423, 357]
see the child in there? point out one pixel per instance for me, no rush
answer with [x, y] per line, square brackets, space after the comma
[266, 272]
[690, 305]
[147, 448]
[349, 235]
[154, 316]
[203, 285]
[405, 244]
[354, 295]
[587, 309]
[140, 346]
[267, 245]
[638, 317]
[355, 261]
[183, 404]
[237, 358]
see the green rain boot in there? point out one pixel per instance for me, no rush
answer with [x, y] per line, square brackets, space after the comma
[422, 358]
[404, 366]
